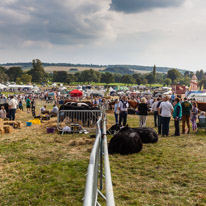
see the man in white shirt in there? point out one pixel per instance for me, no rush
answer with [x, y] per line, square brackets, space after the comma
[166, 113]
[154, 109]
[12, 108]
[123, 107]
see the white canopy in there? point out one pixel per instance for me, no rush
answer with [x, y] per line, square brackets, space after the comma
[2, 86]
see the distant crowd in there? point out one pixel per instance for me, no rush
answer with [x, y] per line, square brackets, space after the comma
[163, 109]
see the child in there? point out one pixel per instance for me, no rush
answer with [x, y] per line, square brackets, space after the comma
[193, 116]
[20, 105]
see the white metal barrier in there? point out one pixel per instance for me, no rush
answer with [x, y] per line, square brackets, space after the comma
[95, 169]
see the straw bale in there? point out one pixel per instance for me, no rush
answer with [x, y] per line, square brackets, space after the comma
[1, 130]
[8, 128]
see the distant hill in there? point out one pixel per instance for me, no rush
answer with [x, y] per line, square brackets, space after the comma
[130, 69]
[26, 65]
[122, 69]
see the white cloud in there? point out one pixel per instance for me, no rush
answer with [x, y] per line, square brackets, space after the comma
[88, 31]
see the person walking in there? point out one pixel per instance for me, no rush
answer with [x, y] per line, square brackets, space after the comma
[123, 108]
[154, 109]
[13, 104]
[143, 112]
[116, 111]
[193, 116]
[186, 108]
[177, 114]
[166, 111]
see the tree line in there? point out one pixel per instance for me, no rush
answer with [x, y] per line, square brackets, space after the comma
[37, 74]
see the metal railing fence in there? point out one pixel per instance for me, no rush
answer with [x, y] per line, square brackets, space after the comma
[95, 169]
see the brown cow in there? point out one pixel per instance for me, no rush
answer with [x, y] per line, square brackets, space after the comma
[132, 104]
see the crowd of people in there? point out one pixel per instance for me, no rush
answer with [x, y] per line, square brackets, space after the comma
[16, 102]
[163, 109]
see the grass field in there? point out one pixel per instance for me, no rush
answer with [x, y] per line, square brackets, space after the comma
[62, 68]
[37, 168]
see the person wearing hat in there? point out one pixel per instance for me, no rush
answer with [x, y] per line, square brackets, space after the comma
[186, 108]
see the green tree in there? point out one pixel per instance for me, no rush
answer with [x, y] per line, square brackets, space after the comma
[71, 78]
[137, 78]
[13, 73]
[168, 81]
[24, 78]
[107, 78]
[90, 76]
[60, 76]
[37, 72]
[127, 79]
[199, 74]
[144, 81]
[186, 74]
[3, 76]
[150, 78]
[154, 71]
[173, 74]
[117, 77]
[78, 76]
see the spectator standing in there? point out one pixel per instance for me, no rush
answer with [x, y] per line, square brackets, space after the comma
[159, 117]
[116, 111]
[154, 109]
[123, 108]
[193, 116]
[173, 97]
[166, 111]
[177, 114]
[20, 105]
[13, 104]
[28, 104]
[186, 108]
[143, 112]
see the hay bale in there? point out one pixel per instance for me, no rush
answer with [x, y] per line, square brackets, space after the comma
[19, 124]
[72, 143]
[1, 122]
[8, 129]
[1, 130]
[81, 142]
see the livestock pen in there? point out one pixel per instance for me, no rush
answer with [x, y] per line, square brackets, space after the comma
[49, 169]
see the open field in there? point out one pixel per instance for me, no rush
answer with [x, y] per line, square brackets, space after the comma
[62, 68]
[37, 168]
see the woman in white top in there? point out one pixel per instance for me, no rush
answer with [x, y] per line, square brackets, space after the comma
[166, 109]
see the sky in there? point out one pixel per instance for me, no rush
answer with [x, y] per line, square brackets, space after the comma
[168, 33]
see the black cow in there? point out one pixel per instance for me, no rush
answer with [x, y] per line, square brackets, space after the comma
[87, 118]
[125, 142]
[114, 129]
[147, 135]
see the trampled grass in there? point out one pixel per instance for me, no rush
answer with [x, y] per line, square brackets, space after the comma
[170, 172]
[37, 168]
